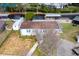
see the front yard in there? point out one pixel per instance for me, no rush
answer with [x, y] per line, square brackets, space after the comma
[69, 31]
[15, 45]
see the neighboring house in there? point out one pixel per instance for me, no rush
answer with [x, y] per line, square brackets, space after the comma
[17, 24]
[3, 17]
[51, 16]
[31, 27]
[59, 5]
[56, 5]
[2, 26]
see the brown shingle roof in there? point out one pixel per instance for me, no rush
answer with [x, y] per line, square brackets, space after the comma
[39, 25]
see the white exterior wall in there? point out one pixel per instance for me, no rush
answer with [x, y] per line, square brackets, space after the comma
[29, 32]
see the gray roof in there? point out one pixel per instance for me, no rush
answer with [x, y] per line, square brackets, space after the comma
[52, 15]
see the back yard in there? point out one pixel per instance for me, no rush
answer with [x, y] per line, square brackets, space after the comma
[69, 32]
[15, 45]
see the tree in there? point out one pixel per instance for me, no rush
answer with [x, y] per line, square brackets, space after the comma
[10, 9]
[29, 15]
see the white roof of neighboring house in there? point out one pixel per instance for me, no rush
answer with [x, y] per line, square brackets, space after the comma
[18, 22]
[52, 15]
[4, 14]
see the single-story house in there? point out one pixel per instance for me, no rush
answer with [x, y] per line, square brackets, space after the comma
[52, 16]
[2, 25]
[32, 27]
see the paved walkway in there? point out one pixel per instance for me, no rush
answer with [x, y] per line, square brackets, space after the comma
[32, 49]
[64, 48]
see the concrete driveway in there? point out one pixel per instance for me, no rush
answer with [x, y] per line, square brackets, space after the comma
[64, 48]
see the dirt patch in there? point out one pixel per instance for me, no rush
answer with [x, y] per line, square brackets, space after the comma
[16, 46]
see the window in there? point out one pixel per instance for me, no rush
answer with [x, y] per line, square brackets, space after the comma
[41, 30]
[28, 30]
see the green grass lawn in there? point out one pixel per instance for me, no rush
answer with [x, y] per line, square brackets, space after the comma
[69, 31]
